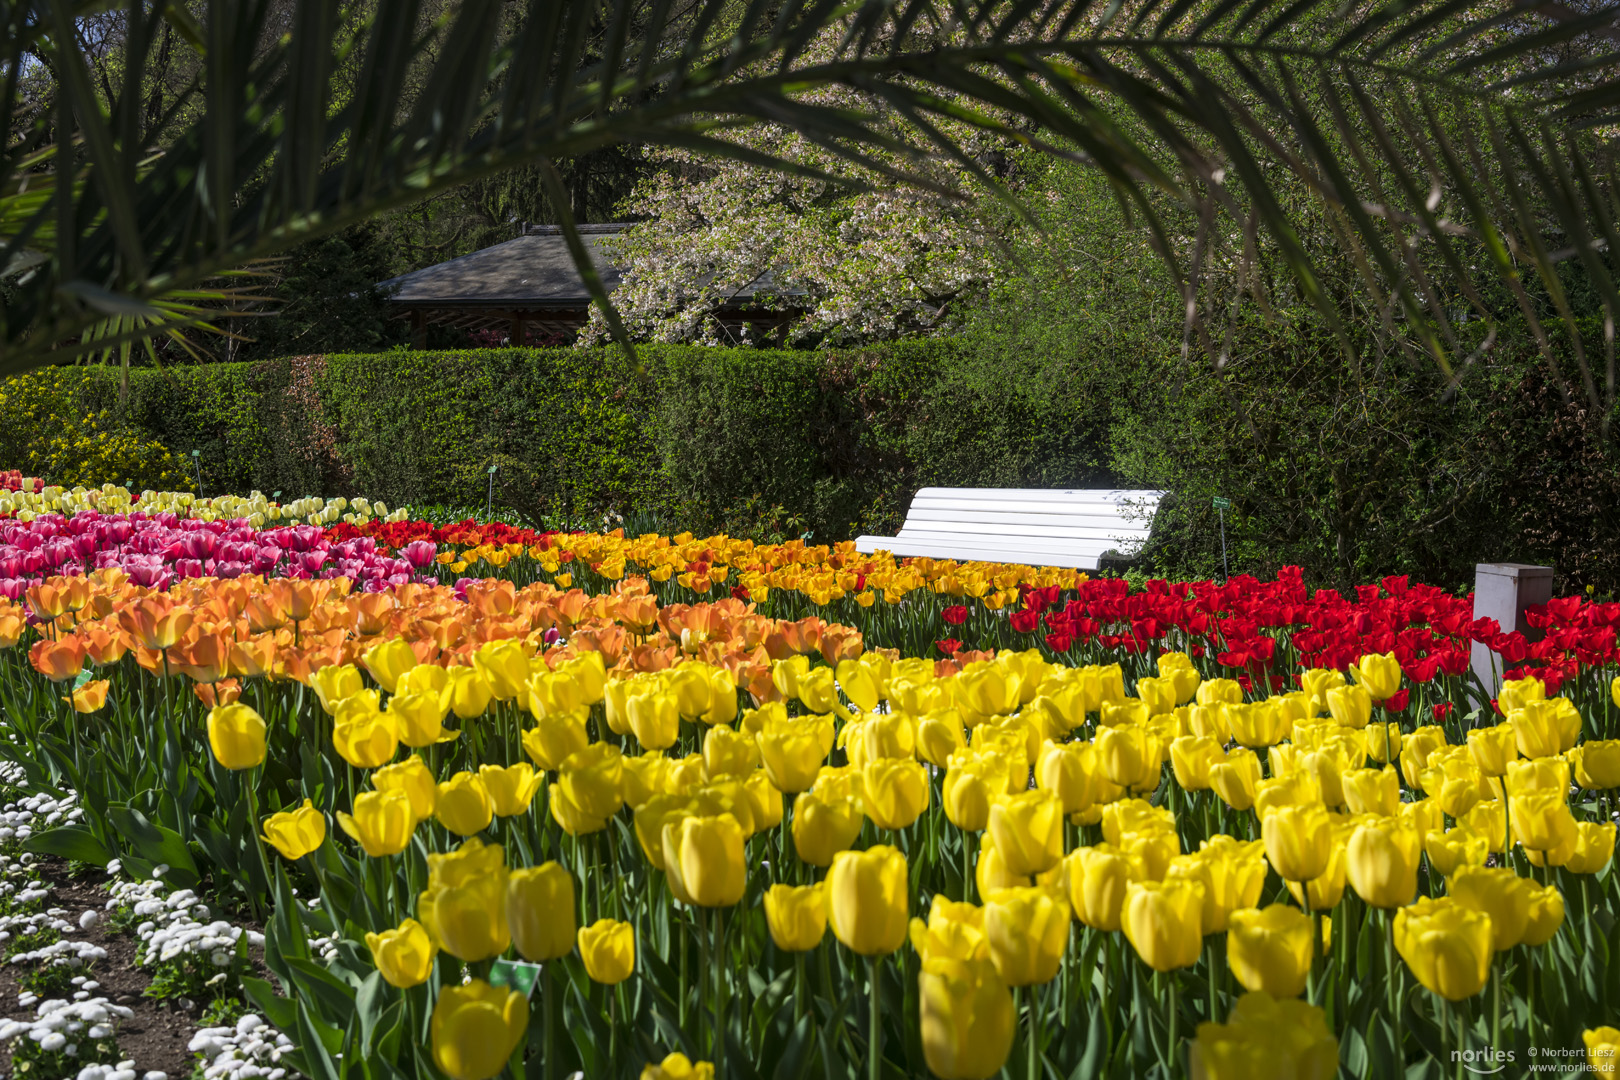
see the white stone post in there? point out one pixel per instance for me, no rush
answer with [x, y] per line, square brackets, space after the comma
[1502, 591]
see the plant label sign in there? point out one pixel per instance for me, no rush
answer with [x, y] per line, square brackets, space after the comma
[515, 974]
[1222, 504]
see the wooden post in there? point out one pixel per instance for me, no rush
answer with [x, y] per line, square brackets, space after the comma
[418, 329]
[517, 331]
[1502, 591]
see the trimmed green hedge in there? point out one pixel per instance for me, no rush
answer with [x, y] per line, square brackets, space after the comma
[750, 440]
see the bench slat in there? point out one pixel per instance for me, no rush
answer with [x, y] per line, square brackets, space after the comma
[1006, 543]
[965, 553]
[1064, 524]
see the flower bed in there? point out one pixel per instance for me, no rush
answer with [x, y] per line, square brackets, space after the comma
[1194, 826]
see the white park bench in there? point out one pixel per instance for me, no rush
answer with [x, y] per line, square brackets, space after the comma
[1037, 526]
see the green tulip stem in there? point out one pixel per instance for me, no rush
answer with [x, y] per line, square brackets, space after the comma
[967, 869]
[874, 1038]
[258, 841]
[1496, 1002]
[798, 988]
[1209, 949]
[1391, 978]
[1173, 1001]
[704, 942]
[1033, 1055]
[721, 964]
[548, 991]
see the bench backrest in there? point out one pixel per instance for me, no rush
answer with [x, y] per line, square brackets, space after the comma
[1085, 521]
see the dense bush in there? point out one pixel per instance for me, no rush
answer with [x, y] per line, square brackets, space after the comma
[1349, 474]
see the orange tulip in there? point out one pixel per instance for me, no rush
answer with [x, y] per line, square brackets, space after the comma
[156, 622]
[58, 661]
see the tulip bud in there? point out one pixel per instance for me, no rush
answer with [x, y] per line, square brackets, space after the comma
[1594, 847]
[1546, 915]
[1163, 920]
[1542, 822]
[824, 826]
[540, 911]
[1596, 764]
[971, 784]
[1096, 879]
[1492, 748]
[608, 948]
[1235, 779]
[466, 691]
[388, 660]
[1265, 1036]
[791, 751]
[1446, 944]
[1603, 1044]
[796, 916]
[1351, 707]
[463, 804]
[1373, 791]
[404, 956]
[296, 833]
[382, 821]
[1028, 831]
[236, 734]
[968, 1019]
[1381, 861]
[1191, 757]
[939, 735]
[1299, 840]
[1380, 674]
[894, 792]
[954, 930]
[464, 905]
[678, 1066]
[1499, 893]
[1028, 929]
[1454, 848]
[475, 1028]
[703, 859]
[1270, 949]
[867, 899]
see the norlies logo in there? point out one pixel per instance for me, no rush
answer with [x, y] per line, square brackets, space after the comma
[1483, 1062]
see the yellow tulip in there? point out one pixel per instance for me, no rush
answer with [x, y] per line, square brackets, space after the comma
[1542, 822]
[1231, 872]
[1373, 791]
[1096, 879]
[858, 684]
[388, 660]
[554, 738]
[592, 778]
[1492, 748]
[1269, 949]
[939, 735]
[954, 930]
[1235, 779]
[1298, 840]
[1163, 920]
[404, 955]
[296, 833]
[464, 904]
[678, 1066]
[968, 1019]
[972, 783]
[1454, 848]
[1594, 847]
[504, 666]
[654, 716]
[868, 898]
[467, 692]
[89, 698]
[1191, 757]
[1028, 831]
[608, 948]
[365, 740]
[1262, 723]
[475, 1028]
[511, 789]
[1499, 893]
[464, 805]
[791, 751]
[1381, 861]
[1603, 1044]
[1380, 674]
[1070, 771]
[1537, 774]
[1219, 692]
[419, 719]
[572, 817]
[413, 778]
[1446, 944]
[728, 753]
[894, 792]
[823, 826]
[1596, 764]
[540, 911]
[765, 799]
[1517, 693]
[703, 859]
[1028, 929]
[382, 822]
[796, 916]
[1545, 728]
[1351, 707]
[236, 734]
[643, 776]
[334, 683]
[1266, 1037]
